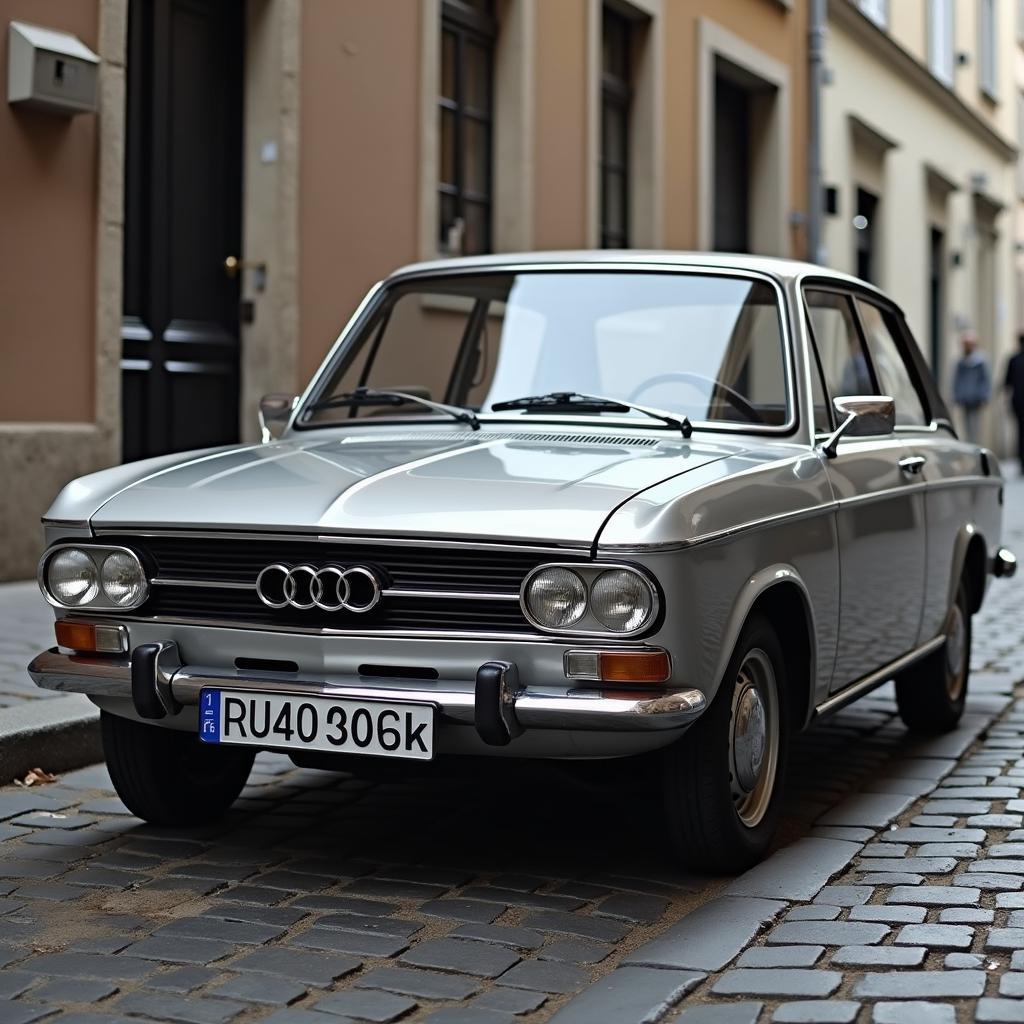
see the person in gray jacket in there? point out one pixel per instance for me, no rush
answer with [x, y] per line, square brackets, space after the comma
[972, 385]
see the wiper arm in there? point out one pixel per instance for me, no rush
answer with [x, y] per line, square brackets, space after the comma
[573, 401]
[375, 396]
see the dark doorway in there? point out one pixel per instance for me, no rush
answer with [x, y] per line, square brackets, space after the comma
[936, 264]
[183, 174]
[864, 223]
[732, 167]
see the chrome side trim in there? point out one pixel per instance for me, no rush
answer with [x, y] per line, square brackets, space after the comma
[543, 547]
[74, 524]
[882, 495]
[542, 707]
[966, 481]
[862, 686]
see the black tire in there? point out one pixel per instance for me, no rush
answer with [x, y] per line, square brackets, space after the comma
[168, 777]
[931, 693]
[712, 825]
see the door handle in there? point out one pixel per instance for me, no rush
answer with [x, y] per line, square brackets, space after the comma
[912, 465]
[232, 266]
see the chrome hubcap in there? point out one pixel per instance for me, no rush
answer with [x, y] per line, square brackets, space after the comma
[750, 735]
[754, 738]
[956, 650]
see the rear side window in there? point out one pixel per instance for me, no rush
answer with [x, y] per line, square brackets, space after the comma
[894, 375]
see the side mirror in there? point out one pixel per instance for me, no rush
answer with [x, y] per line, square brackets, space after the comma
[274, 409]
[860, 416]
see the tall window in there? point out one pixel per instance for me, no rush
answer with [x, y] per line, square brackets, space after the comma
[987, 47]
[876, 10]
[940, 39]
[466, 116]
[616, 94]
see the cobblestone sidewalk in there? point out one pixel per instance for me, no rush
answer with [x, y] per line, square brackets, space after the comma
[26, 628]
[523, 893]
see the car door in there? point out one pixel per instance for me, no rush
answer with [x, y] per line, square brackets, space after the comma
[880, 513]
[949, 468]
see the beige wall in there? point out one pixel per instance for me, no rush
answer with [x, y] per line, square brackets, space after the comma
[561, 144]
[48, 252]
[60, 282]
[935, 162]
[359, 159]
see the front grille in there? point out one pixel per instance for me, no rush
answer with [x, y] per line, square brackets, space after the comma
[212, 560]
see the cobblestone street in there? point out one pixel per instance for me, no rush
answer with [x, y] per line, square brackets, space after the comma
[529, 893]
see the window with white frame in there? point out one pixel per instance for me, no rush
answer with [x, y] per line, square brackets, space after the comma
[940, 40]
[987, 47]
[876, 10]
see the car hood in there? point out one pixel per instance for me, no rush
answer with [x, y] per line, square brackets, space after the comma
[488, 484]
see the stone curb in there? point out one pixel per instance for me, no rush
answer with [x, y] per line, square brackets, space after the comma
[56, 734]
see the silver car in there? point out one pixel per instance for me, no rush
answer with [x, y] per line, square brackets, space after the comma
[560, 505]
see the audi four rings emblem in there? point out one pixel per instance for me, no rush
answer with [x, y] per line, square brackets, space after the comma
[330, 588]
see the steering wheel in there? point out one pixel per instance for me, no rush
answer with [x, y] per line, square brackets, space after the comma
[733, 397]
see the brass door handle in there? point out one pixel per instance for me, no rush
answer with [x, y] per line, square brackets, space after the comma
[232, 265]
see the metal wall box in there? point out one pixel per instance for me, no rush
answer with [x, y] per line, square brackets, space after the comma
[50, 70]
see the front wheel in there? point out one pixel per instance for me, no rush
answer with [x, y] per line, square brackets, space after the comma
[722, 781]
[931, 693]
[167, 777]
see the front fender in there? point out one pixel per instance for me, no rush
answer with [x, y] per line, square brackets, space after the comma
[755, 589]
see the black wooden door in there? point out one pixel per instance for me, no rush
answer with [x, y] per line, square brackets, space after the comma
[732, 167]
[183, 179]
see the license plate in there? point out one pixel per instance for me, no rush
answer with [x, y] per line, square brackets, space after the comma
[368, 727]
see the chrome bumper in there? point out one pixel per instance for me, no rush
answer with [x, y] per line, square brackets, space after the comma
[1004, 564]
[533, 707]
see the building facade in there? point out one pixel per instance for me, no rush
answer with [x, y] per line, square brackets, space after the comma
[920, 117]
[255, 165]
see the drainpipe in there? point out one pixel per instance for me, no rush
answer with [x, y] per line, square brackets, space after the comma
[816, 79]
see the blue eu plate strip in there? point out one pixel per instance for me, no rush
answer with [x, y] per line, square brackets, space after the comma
[209, 716]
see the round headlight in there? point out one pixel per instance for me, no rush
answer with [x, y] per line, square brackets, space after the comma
[621, 600]
[556, 598]
[124, 582]
[71, 577]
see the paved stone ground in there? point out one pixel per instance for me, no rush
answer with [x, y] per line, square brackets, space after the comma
[26, 627]
[524, 893]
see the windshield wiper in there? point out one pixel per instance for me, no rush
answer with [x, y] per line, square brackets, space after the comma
[573, 401]
[375, 396]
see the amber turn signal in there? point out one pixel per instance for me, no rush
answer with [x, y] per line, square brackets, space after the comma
[634, 667]
[91, 638]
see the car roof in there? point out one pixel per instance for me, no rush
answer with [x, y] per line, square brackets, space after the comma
[774, 266]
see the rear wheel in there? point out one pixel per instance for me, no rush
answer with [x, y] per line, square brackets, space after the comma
[931, 693]
[169, 777]
[722, 780]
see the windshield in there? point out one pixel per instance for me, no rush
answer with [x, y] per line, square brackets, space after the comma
[704, 346]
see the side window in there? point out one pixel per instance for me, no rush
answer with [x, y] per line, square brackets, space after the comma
[837, 340]
[895, 377]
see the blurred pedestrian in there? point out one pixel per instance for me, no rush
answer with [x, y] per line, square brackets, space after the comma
[972, 385]
[1014, 385]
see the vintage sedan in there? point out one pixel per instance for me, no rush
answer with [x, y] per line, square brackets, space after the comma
[563, 505]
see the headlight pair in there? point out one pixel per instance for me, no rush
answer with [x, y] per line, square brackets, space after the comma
[93, 577]
[589, 599]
